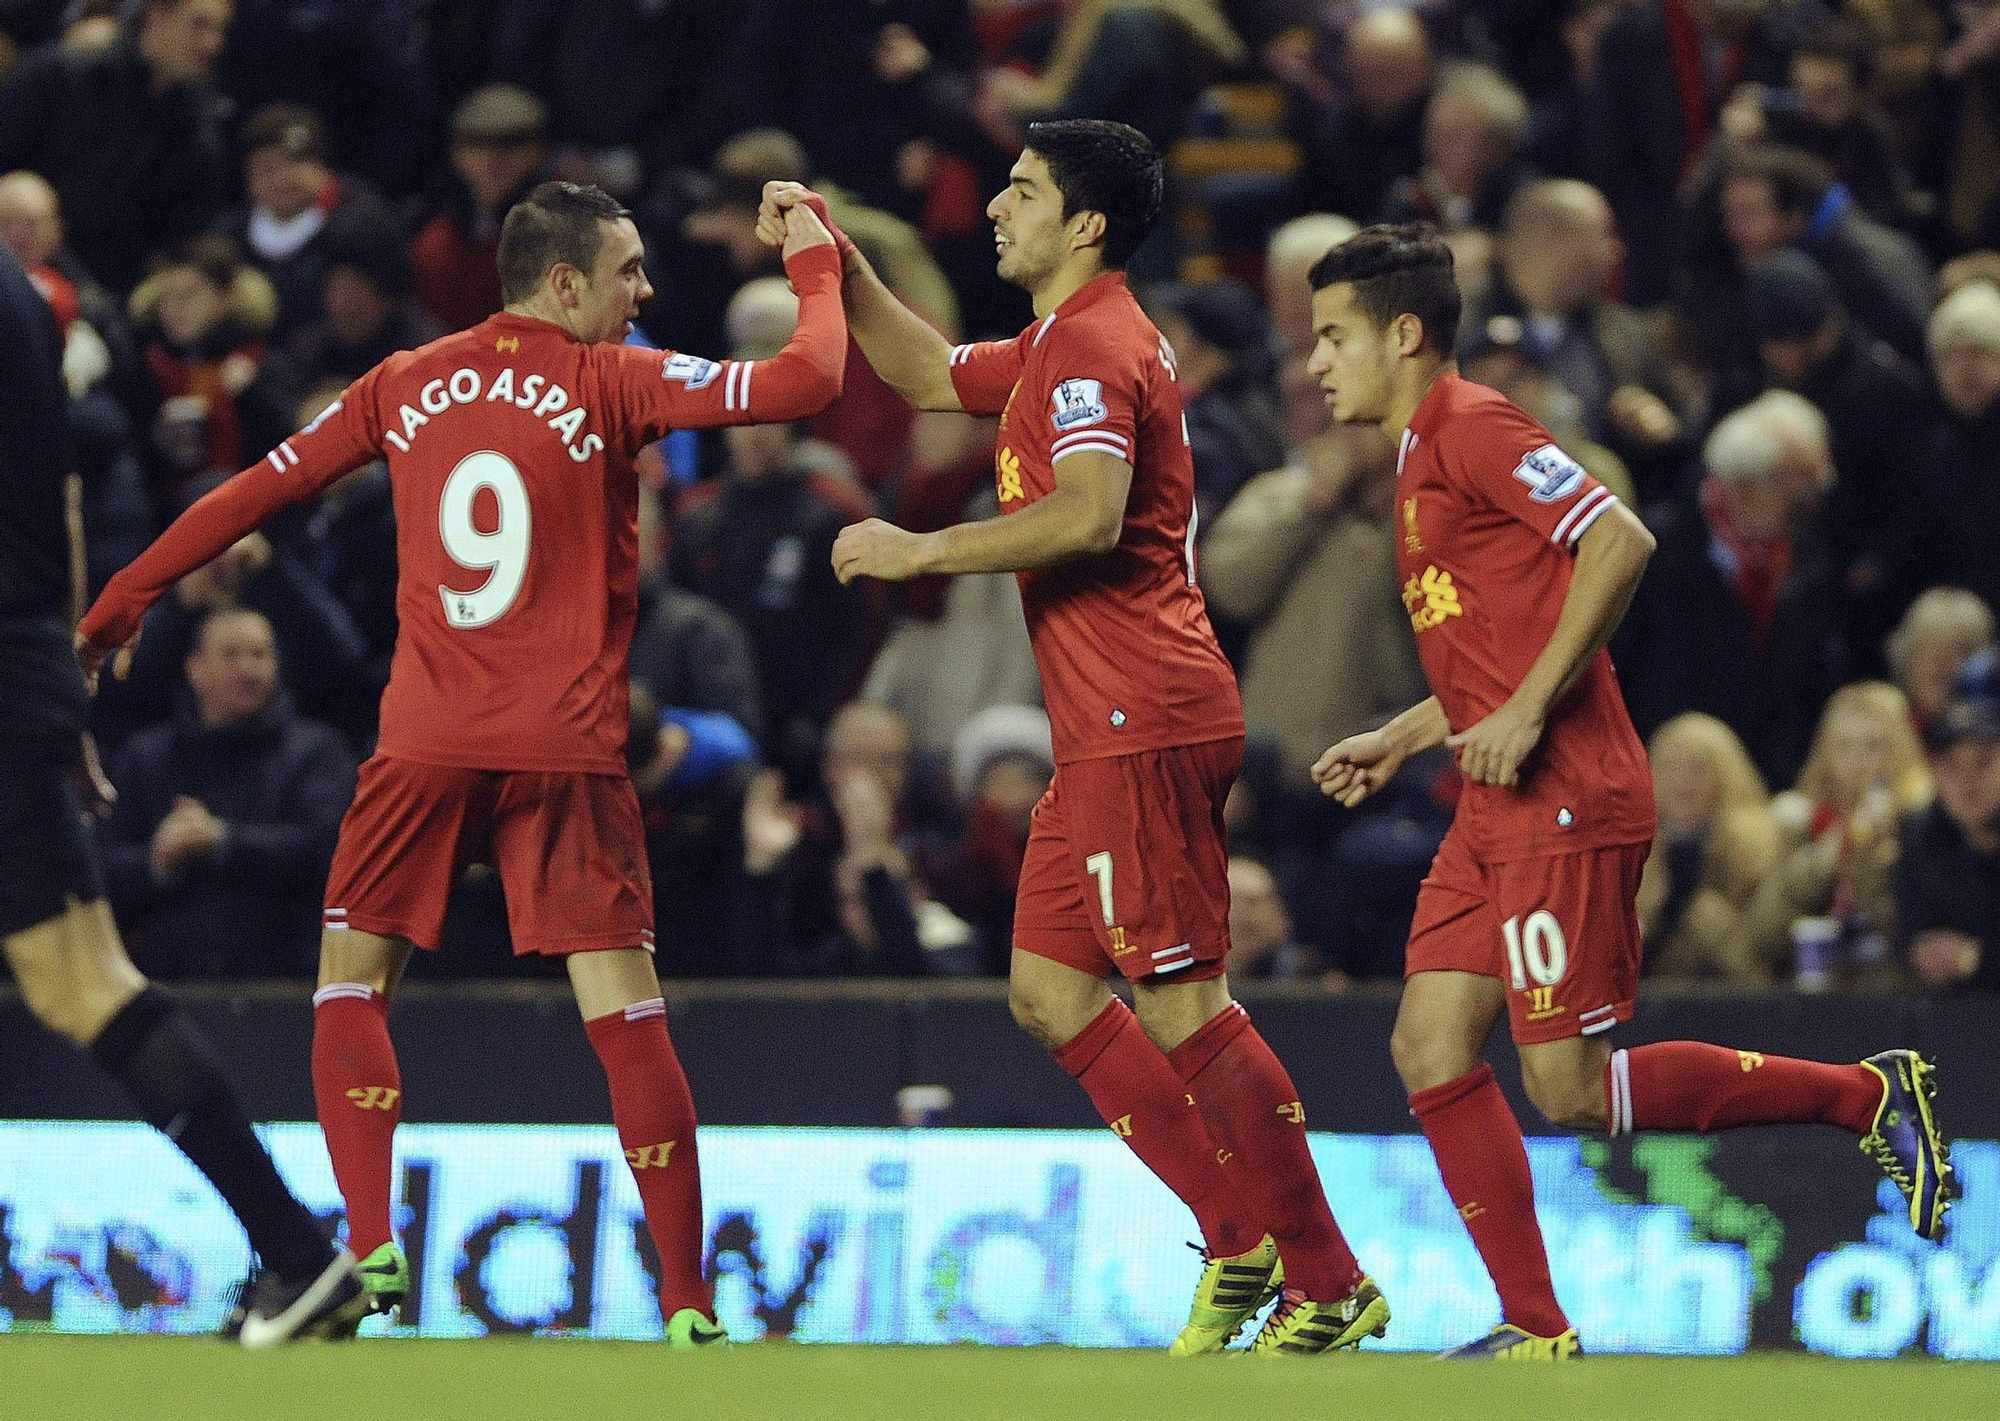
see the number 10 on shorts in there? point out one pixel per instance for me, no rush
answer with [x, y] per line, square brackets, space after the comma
[1098, 866]
[1537, 956]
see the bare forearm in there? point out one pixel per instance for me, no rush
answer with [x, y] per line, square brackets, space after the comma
[1609, 562]
[910, 356]
[1422, 727]
[1055, 528]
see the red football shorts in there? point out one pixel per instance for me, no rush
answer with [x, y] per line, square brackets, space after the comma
[570, 849]
[1561, 933]
[1127, 865]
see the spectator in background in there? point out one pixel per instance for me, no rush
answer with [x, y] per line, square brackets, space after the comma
[1944, 629]
[217, 403]
[216, 850]
[1222, 362]
[1717, 843]
[1825, 111]
[1558, 256]
[1735, 616]
[834, 885]
[1360, 145]
[691, 769]
[1878, 414]
[1288, 261]
[1960, 507]
[1261, 944]
[499, 150]
[692, 654]
[1663, 71]
[759, 542]
[1948, 876]
[366, 310]
[1772, 198]
[1304, 558]
[1140, 62]
[294, 197]
[131, 134]
[1001, 763]
[1830, 901]
[1475, 127]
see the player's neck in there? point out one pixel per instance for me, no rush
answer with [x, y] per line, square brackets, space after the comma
[1068, 279]
[1411, 382]
[535, 309]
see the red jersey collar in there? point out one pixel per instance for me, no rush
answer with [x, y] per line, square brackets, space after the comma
[509, 321]
[1090, 293]
[1429, 413]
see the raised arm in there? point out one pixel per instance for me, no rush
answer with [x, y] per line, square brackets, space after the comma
[905, 350]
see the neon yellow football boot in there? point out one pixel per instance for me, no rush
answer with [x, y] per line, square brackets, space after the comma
[1230, 1293]
[385, 1278]
[1300, 1325]
[1508, 1343]
[688, 1328]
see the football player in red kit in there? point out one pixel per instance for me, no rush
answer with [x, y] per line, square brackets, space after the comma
[1516, 567]
[510, 449]
[1126, 866]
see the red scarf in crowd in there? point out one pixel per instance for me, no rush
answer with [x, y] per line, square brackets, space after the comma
[1699, 101]
[1761, 564]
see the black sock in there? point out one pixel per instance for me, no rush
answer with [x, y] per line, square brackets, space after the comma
[155, 1051]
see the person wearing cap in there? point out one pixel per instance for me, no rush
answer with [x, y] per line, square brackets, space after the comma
[1948, 877]
[293, 196]
[499, 150]
[1879, 415]
[1222, 361]
[1961, 464]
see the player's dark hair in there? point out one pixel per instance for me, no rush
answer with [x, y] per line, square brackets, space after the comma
[1398, 269]
[557, 222]
[1101, 166]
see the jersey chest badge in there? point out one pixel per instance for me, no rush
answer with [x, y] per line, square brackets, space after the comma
[1413, 539]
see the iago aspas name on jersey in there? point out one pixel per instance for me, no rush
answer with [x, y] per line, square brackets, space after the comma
[537, 394]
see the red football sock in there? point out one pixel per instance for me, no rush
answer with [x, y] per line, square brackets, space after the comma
[1134, 1088]
[1691, 1085]
[1252, 1110]
[1484, 1162]
[359, 1093]
[654, 1110]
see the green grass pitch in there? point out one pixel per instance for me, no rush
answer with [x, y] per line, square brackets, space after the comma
[167, 1379]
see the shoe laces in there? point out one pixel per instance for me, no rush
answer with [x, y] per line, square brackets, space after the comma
[1876, 1146]
[1289, 1302]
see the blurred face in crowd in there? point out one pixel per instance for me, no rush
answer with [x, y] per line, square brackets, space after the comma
[1353, 359]
[30, 218]
[494, 169]
[233, 668]
[1685, 786]
[1560, 259]
[1460, 145]
[758, 451]
[1756, 225]
[1968, 784]
[1258, 922]
[1030, 235]
[1936, 654]
[868, 739]
[1198, 364]
[1827, 91]
[282, 184]
[1858, 753]
[356, 308]
[732, 228]
[191, 304]
[1387, 59]
[1791, 363]
[1968, 377]
[182, 39]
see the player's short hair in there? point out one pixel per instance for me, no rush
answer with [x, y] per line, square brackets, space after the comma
[1101, 166]
[557, 222]
[1398, 269]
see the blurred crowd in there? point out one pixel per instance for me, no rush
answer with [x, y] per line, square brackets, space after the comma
[1741, 256]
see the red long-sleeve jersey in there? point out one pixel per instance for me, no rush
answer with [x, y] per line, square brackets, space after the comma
[510, 449]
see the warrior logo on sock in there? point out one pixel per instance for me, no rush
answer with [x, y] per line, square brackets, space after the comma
[375, 1097]
[1293, 1111]
[1751, 1060]
[1122, 1127]
[650, 1156]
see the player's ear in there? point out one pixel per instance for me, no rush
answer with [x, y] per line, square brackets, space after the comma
[1408, 331]
[1086, 229]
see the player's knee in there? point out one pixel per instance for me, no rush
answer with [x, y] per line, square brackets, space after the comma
[1425, 1058]
[1031, 1011]
[1565, 1099]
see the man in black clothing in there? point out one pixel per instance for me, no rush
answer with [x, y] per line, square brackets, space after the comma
[55, 928]
[131, 135]
[1948, 876]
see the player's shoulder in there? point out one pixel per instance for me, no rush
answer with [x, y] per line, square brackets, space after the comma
[1479, 424]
